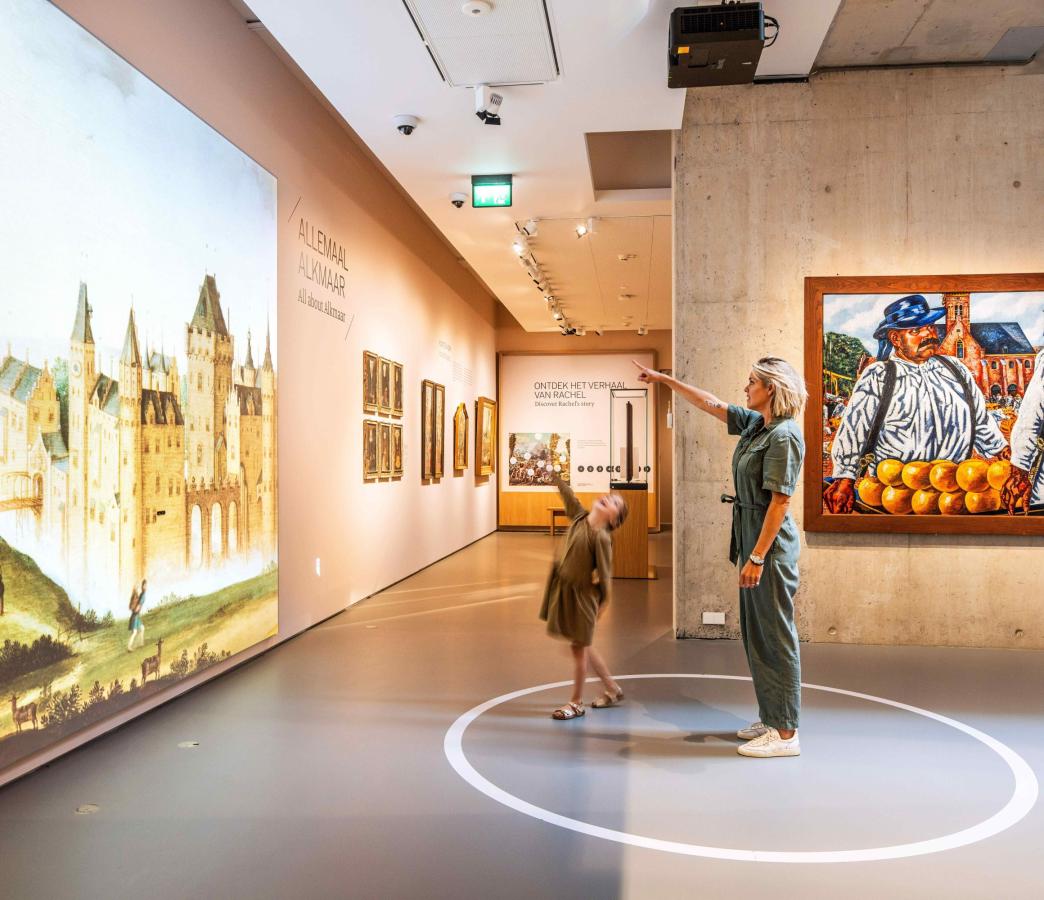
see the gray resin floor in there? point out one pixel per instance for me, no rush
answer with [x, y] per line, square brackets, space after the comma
[321, 769]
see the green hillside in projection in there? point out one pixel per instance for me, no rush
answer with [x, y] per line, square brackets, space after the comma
[33, 604]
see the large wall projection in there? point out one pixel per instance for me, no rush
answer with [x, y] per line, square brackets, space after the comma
[138, 387]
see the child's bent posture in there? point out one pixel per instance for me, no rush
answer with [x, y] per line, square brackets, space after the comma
[578, 592]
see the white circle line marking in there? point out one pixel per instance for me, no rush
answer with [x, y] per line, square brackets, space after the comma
[1022, 800]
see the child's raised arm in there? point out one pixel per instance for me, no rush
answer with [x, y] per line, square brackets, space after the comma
[573, 507]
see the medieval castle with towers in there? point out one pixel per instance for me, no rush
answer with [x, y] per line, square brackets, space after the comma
[157, 474]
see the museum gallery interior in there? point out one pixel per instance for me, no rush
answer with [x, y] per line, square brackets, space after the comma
[521, 448]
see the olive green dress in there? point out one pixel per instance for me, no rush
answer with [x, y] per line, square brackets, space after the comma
[581, 579]
[768, 460]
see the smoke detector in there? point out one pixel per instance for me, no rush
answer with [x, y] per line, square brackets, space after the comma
[477, 8]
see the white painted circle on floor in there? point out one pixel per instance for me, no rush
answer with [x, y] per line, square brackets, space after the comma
[1022, 799]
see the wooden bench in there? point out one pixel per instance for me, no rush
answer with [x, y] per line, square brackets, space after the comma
[556, 511]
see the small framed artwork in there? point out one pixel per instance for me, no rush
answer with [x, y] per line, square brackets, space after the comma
[440, 430]
[396, 451]
[384, 403]
[427, 429]
[371, 468]
[384, 450]
[485, 436]
[396, 389]
[460, 438]
[370, 378]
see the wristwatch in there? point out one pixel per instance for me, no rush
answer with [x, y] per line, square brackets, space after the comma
[757, 560]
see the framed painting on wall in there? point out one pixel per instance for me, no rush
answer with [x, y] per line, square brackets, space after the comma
[396, 451]
[460, 438]
[371, 376]
[371, 450]
[537, 458]
[384, 401]
[427, 429]
[485, 436]
[926, 404]
[439, 428]
[396, 389]
[384, 450]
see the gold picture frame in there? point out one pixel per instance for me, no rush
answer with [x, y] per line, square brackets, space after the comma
[396, 451]
[371, 468]
[384, 399]
[460, 438]
[384, 449]
[370, 378]
[485, 436]
[427, 429]
[396, 389]
[440, 430]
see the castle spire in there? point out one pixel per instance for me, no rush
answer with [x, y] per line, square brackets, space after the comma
[267, 364]
[208, 314]
[131, 356]
[249, 364]
[82, 326]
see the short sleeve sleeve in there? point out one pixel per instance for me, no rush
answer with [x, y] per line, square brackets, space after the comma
[782, 463]
[740, 419]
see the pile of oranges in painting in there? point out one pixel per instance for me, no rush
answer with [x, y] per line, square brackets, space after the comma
[941, 487]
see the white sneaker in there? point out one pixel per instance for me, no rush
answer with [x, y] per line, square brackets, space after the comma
[770, 744]
[753, 730]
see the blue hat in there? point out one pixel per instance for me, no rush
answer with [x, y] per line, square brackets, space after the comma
[907, 312]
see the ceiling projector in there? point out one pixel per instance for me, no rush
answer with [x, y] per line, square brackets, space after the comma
[716, 45]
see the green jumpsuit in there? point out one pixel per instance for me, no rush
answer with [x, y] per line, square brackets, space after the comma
[767, 460]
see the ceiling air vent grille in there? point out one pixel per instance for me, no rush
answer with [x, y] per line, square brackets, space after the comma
[510, 44]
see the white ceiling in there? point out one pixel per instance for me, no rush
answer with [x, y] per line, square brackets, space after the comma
[369, 61]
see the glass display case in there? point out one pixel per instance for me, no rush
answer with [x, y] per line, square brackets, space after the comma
[630, 463]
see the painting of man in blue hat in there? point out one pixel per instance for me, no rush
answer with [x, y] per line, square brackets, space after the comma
[911, 403]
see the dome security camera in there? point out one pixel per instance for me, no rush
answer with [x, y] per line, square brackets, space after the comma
[458, 199]
[406, 124]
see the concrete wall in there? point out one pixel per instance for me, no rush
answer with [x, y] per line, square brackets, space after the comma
[917, 172]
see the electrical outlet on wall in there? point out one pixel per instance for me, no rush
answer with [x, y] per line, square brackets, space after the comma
[318, 566]
[714, 618]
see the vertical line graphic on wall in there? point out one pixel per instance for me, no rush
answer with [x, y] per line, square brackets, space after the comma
[138, 458]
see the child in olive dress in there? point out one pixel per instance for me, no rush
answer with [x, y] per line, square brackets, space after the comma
[578, 592]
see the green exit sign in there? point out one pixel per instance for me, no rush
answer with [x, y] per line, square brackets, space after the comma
[490, 190]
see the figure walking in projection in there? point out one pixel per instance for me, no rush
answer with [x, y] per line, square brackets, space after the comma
[137, 624]
[913, 403]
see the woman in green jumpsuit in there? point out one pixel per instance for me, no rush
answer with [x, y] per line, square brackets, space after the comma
[765, 543]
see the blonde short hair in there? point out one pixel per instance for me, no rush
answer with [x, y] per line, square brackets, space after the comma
[789, 396]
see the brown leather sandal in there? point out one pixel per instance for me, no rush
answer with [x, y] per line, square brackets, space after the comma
[569, 711]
